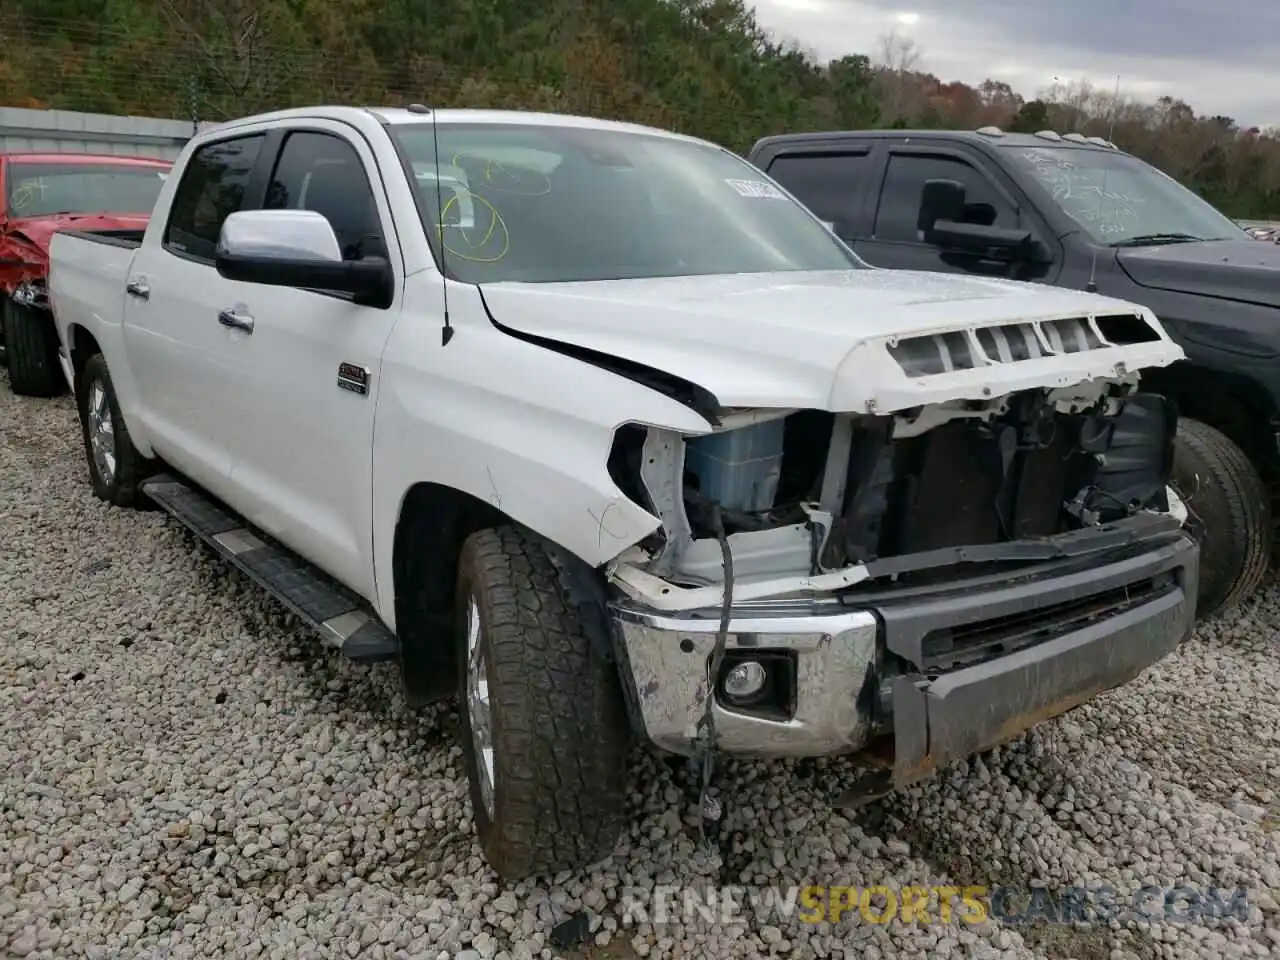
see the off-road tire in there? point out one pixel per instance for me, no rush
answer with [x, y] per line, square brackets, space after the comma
[1229, 514]
[31, 351]
[560, 733]
[122, 490]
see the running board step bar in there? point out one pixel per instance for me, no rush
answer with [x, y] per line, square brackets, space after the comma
[342, 622]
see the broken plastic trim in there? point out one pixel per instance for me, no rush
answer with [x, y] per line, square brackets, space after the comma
[32, 294]
[699, 399]
[663, 595]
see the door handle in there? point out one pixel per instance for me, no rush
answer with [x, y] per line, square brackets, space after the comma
[138, 288]
[237, 321]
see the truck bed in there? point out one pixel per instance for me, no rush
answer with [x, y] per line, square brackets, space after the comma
[88, 270]
[130, 239]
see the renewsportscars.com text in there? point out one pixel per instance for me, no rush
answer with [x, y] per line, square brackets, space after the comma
[945, 904]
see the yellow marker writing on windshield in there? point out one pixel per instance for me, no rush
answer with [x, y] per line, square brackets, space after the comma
[496, 225]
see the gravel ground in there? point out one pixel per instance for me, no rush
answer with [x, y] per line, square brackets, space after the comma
[183, 773]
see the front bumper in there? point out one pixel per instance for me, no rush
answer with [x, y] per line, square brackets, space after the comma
[833, 650]
[894, 667]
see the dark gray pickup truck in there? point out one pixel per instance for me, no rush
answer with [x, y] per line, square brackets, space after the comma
[1077, 212]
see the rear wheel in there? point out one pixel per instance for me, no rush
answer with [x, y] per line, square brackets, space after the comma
[116, 469]
[1228, 513]
[31, 351]
[545, 730]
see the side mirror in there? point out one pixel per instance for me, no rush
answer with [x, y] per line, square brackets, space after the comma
[946, 221]
[981, 239]
[298, 248]
[940, 200]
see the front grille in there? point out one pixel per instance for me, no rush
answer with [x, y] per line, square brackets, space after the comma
[1010, 343]
[972, 643]
[954, 488]
[1031, 472]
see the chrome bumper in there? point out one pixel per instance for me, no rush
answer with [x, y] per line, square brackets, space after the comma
[858, 673]
[833, 656]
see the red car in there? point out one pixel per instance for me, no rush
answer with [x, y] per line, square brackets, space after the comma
[41, 193]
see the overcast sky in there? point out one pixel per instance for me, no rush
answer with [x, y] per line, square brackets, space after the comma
[1221, 56]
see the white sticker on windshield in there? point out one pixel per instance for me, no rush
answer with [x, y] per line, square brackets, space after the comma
[756, 189]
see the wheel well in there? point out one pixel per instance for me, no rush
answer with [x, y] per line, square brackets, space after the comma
[434, 522]
[83, 346]
[1236, 405]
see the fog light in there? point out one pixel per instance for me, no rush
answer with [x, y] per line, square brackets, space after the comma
[745, 680]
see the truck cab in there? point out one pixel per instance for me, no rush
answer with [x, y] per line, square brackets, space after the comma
[1076, 212]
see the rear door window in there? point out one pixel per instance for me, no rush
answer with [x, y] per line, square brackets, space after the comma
[212, 188]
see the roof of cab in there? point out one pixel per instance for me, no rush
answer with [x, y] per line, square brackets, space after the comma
[395, 116]
[994, 138]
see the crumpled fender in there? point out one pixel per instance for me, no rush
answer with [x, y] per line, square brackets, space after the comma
[511, 423]
[21, 260]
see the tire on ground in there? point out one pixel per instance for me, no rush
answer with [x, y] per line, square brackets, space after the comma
[130, 468]
[560, 731]
[31, 351]
[1229, 514]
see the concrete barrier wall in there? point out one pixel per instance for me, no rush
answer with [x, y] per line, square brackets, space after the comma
[66, 131]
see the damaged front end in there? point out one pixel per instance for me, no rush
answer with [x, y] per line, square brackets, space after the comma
[814, 501]
[24, 265]
[934, 579]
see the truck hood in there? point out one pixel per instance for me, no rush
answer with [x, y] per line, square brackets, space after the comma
[24, 241]
[853, 341]
[1244, 270]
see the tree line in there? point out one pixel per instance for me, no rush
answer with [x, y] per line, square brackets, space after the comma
[703, 67]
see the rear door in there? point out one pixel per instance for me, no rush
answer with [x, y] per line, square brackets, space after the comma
[830, 178]
[188, 366]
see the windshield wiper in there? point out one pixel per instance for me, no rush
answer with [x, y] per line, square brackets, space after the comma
[1151, 239]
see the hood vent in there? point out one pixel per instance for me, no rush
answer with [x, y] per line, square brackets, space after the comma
[1010, 343]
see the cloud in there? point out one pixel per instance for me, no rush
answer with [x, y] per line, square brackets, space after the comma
[1219, 62]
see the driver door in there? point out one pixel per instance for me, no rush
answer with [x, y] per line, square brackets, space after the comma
[895, 241]
[312, 365]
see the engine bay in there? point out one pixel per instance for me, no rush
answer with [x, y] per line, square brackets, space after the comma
[806, 493]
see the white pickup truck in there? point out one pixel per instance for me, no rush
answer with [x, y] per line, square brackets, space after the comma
[598, 428]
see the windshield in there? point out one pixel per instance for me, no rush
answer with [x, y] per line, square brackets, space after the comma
[1117, 198]
[43, 189]
[547, 204]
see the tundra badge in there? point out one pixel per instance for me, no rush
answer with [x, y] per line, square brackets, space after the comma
[354, 378]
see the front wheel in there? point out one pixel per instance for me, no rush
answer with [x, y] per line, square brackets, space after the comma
[1228, 513]
[115, 467]
[544, 725]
